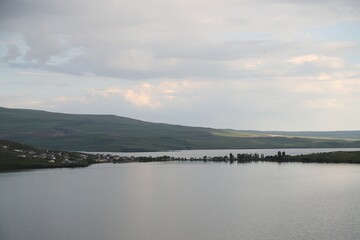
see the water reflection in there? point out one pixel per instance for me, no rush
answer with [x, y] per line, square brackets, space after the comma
[183, 201]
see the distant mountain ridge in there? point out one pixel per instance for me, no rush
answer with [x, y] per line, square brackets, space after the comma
[84, 132]
[350, 135]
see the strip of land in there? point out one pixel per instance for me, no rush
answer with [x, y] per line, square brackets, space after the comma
[17, 156]
[281, 157]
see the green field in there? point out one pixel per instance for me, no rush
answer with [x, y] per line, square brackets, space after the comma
[113, 133]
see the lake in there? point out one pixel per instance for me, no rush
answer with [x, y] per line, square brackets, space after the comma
[182, 200]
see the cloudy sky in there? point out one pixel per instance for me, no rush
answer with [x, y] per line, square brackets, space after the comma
[257, 64]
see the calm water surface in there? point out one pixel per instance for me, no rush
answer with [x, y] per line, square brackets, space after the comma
[182, 201]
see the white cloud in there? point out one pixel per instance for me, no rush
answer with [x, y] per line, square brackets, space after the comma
[65, 99]
[146, 95]
[304, 58]
[338, 84]
[107, 93]
[258, 60]
[141, 99]
[332, 62]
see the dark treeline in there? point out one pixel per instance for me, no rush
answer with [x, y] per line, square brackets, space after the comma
[280, 157]
[239, 158]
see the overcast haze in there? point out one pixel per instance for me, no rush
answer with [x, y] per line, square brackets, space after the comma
[264, 65]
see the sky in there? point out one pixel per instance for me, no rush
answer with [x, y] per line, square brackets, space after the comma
[257, 64]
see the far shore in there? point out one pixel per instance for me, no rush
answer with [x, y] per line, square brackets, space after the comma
[340, 157]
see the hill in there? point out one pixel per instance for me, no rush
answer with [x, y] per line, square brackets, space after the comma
[79, 132]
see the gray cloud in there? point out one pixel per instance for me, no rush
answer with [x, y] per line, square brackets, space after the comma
[266, 63]
[140, 40]
[13, 52]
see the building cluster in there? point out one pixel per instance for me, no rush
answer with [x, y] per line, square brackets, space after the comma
[109, 158]
[50, 156]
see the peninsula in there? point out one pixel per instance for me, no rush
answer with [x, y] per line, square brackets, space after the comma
[17, 156]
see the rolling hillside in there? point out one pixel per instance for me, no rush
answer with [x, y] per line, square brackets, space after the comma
[113, 133]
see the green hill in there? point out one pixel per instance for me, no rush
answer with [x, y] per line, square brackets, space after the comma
[79, 132]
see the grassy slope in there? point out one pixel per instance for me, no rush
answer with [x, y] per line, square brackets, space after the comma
[349, 135]
[331, 157]
[113, 133]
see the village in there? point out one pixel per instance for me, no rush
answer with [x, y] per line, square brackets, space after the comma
[25, 152]
[65, 157]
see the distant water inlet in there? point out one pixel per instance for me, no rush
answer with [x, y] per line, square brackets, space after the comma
[183, 200]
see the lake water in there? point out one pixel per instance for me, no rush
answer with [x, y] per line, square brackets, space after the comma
[182, 201]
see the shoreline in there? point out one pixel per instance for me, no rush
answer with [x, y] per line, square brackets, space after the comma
[338, 157]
